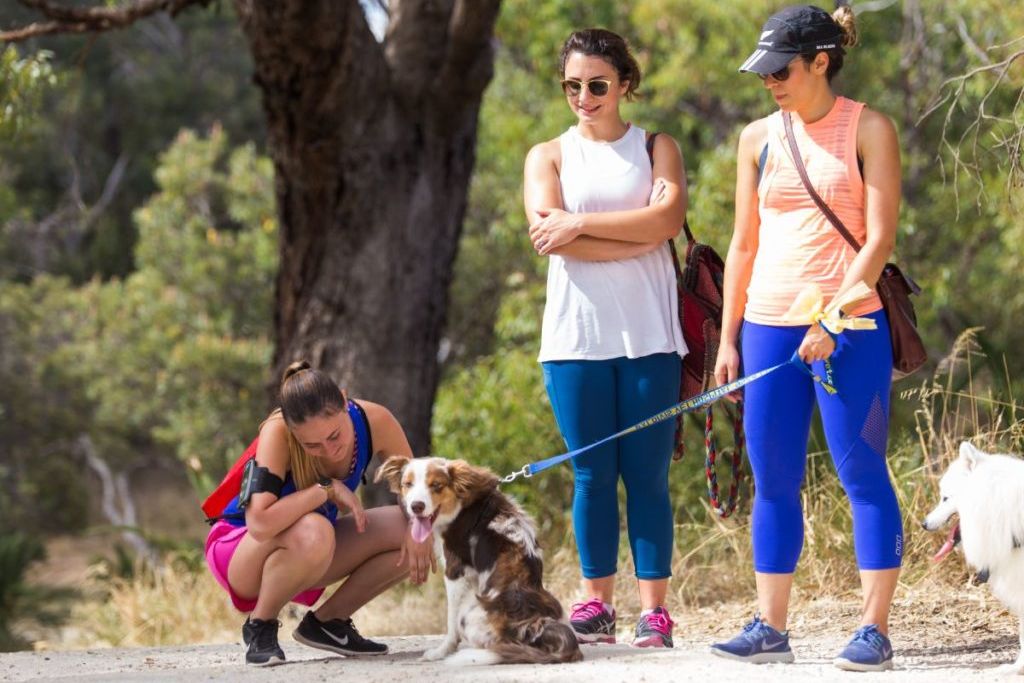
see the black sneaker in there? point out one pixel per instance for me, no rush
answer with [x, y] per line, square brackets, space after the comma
[592, 622]
[336, 635]
[248, 631]
[261, 637]
[654, 629]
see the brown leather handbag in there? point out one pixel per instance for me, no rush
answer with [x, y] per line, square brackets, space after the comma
[893, 287]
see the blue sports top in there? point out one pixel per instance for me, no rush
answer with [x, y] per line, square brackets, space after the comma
[235, 515]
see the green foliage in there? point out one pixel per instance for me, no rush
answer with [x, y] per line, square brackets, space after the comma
[22, 81]
[170, 360]
[42, 409]
[20, 601]
[119, 97]
[178, 350]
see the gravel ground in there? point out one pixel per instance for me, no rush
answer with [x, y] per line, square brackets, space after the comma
[940, 634]
[963, 641]
[689, 661]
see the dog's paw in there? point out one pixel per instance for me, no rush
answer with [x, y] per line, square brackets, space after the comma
[438, 653]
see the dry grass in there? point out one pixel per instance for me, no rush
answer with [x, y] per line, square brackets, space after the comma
[712, 588]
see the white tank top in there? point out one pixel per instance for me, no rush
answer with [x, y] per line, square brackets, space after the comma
[609, 309]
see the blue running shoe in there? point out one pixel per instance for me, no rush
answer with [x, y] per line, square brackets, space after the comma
[758, 643]
[868, 651]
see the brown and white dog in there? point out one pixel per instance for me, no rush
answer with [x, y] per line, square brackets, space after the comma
[497, 604]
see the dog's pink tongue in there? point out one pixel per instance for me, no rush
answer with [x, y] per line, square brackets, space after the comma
[421, 528]
[947, 547]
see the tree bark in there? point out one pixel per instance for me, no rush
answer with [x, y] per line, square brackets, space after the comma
[373, 146]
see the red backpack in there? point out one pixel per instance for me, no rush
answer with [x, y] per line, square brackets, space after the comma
[700, 283]
[228, 488]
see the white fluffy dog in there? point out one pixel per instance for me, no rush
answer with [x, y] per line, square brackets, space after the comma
[987, 490]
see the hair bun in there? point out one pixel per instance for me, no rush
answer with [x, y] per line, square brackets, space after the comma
[295, 367]
[844, 17]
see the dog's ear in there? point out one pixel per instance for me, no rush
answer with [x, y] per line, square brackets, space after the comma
[391, 471]
[970, 455]
[470, 482]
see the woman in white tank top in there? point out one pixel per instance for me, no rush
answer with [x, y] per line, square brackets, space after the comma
[611, 344]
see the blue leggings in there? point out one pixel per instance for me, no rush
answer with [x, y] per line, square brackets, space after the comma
[591, 400]
[856, 421]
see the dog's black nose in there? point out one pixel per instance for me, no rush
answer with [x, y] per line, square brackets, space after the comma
[417, 507]
[924, 525]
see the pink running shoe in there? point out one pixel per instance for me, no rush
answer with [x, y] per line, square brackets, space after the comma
[592, 622]
[654, 629]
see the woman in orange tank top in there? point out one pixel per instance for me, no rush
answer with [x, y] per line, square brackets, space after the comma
[782, 243]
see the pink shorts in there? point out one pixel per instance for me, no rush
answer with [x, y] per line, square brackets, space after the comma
[220, 546]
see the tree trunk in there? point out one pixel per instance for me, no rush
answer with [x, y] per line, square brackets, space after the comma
[373, 146]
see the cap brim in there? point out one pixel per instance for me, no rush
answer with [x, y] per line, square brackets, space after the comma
[764, 62]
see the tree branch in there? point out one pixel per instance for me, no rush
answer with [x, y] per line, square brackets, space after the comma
[436, 49]
[414, 45]
[470, 32]
[117, 502]
[951, 95]
[63, 19]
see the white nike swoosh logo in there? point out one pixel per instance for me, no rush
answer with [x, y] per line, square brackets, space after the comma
[339, 641]
[773, 646]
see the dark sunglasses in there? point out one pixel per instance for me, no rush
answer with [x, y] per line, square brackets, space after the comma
[598, 87]
[780, 75]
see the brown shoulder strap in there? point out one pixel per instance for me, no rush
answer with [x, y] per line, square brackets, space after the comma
[787, 119]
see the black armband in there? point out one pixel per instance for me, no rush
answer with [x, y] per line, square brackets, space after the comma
[256, 479]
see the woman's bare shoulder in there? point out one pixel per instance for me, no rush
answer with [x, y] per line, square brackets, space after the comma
[274, 430]
[874, 125]
[753, 138]
[549, 151]
[388, 435]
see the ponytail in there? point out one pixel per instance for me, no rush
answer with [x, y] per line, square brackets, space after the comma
[847, 24]
[844, 17]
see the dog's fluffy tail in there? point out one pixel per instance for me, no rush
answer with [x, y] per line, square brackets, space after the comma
[554, 643]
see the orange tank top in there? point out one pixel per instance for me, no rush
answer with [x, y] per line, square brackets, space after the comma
[797, 244]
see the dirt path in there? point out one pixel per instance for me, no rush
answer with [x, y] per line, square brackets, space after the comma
[942, 633]
[689, 661]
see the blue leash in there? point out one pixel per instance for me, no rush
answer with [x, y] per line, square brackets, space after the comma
[687, 406]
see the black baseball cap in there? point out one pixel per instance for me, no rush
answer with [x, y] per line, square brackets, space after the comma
[796, 30]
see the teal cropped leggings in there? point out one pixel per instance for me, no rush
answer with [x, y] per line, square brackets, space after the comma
[592, 399]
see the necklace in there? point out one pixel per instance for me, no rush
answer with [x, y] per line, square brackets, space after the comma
[355, 452]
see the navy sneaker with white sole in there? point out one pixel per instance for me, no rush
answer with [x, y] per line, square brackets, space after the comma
[758, 643]
[869, 650]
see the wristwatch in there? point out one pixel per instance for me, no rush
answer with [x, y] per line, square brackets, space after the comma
[327, 484]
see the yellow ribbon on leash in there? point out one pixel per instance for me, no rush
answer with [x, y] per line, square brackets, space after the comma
[809, 308]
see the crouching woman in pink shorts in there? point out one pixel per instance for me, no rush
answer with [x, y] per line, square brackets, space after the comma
[288, 541]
